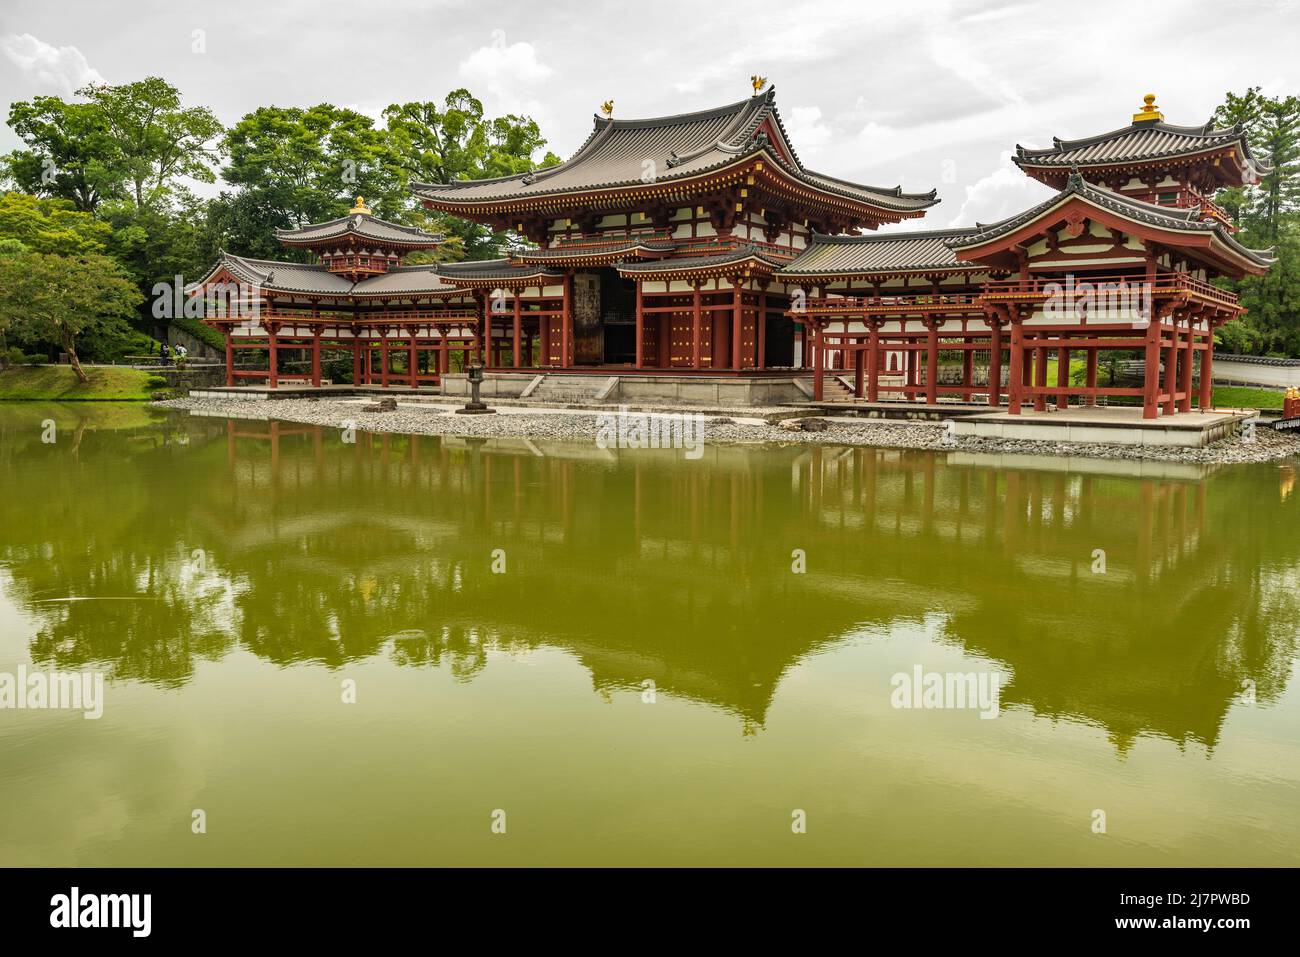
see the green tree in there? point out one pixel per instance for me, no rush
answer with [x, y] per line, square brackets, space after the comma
[71, 153]
[47, 297]
[1269, 216]
[51, 225]
[452, 141]
[155, 139]
[307, 165]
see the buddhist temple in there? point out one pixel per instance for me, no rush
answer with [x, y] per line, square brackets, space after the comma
[698, 246]
[1121, 258]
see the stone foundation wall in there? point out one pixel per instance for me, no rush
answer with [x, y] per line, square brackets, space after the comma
[713, 391]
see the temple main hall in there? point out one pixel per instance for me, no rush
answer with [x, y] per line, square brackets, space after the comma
[697, 255]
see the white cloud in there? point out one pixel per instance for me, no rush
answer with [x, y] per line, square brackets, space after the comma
[808, 133]
[1002, 193]
[62, 69]
[511, 73]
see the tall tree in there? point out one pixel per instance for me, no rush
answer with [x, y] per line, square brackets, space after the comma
[44, 296]
[71, 153]
[451, 141]
[51, 225]
[1269, 216]
[1272, 127]
[158, 140]
[307, 165]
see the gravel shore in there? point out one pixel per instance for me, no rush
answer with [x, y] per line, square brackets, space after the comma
[428, 418]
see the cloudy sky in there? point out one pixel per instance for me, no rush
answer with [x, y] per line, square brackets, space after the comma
[923, 93]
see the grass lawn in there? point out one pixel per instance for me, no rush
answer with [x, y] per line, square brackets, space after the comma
[1240, 397]
[59, 383]
[1230, 396]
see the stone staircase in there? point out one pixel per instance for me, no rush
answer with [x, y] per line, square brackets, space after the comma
[573, 389]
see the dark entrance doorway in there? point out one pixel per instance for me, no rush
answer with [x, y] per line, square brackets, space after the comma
[618, 317]
[779, 347]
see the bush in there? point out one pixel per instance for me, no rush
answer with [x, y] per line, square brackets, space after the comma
[198, 330]
[155, 382]
[114, 345]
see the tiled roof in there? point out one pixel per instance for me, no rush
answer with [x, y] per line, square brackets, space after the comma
[680, 146]
[690, 263]
[567, 253]
[1163, 217]
[487, 269]
[890, 253]
[363, 226]
[405, 281]
[315, 279]
[1139, 142]
[286, 277]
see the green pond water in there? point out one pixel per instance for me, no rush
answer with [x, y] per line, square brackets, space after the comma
[645, 676]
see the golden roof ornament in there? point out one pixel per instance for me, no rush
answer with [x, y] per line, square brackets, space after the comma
[607, 107]
[360, 207]
[1150, 112]
[757, 82]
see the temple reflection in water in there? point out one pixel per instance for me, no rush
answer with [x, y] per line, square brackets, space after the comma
[298, 546]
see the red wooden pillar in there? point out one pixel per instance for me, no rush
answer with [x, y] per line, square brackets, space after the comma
[695, 327]
[1151, 373]
[370, 361]
[1062, 377]
[272, 380]
[484, 341]
[1189, 356]
[1040, 378]
[737, 323]
[640, 327]
[932, 362]
[1207, 367]
[818, 386]
[760, 330]
[516, 339]
[995, 364]
[1091, 397]
[230, 359]
[873, 361]
[1171, 368]
[858, 358]
[967, 368]
[383, 357]
[543, 341]
[1015, 374]
[566, 321]
[910, 363]
[413, 360]
[315, 344]
[356, 360]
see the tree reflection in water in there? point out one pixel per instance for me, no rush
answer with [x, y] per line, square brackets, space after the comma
[184, 537]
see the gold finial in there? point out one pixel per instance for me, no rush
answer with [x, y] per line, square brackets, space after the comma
[757, 82]
[607, 107]
[1150, 112]
[360, 207]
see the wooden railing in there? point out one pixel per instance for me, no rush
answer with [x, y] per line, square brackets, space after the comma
[1165, 283]
[871, 304]
[347, 263]
[606, 239]
[1035, 289]
[374, 315]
